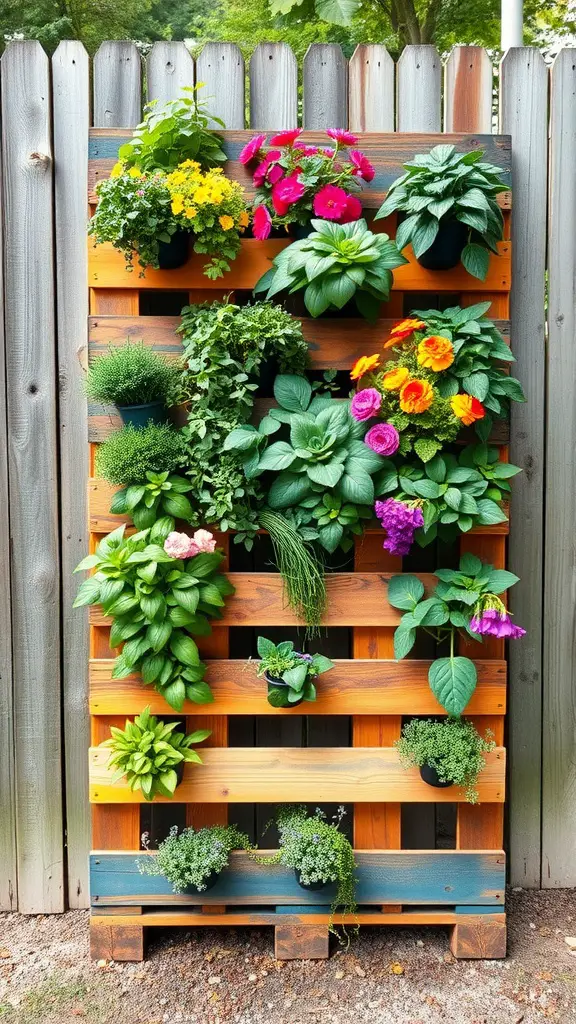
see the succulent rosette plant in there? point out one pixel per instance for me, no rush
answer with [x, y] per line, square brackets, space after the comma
[296, 181]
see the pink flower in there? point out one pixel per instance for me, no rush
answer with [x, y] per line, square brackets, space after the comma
[263, 169]
[261, 223]
[285, 193]
[180, 545]
[352, 212]
[383, 438]
[286, 138]
[364, 169]
[328, 152]
[251, 149]
[275, 172]
[306, 150]
[342, 136]
[330, 202]
[365, 404]
[204, 542]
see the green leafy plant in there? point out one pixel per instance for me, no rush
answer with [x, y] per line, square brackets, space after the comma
[162, 496]
[333, 265]
[323, 455]
[175, 131]
[444, 185]
[132, 375]
[452, 747]
[129, 454]
[155, 602]
[134, 214]
[148, 753]
[465, 601]
[294, 668]
[189, 858]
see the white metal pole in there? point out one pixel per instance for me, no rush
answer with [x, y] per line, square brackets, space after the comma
[511, 30]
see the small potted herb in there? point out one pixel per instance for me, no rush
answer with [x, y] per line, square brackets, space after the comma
[151, 755]
[448, 752]
[449, 209]
[290, 674]
[137, 380]
[193, 860]
[128, 455]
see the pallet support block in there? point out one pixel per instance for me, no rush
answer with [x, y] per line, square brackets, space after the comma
[301, 942]
[109, 941]
[479, 937]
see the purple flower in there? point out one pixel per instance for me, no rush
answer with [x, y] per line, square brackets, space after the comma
[383, 438]
[302, 656]
[400, 521]
[365, 404]
[495, 622]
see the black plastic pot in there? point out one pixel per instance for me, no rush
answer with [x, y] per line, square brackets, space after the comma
[429, 775]
[174, 254]
[209, 883]
[299, 231]
[274, 683]
[179, 769]
[311, 886]
[446, 249]
[140, 415]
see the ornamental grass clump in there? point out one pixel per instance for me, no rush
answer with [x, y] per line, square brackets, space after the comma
[132, 375]
[192, 859]
[301, 570]
[128, 455]
[453, 748]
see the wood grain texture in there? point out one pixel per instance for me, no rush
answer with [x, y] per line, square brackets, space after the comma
[273, 88]
[468, 78]
[117, 95]
[371, 89]
[33, 473]
[325, 87]
[71, 105]
[288, 774]
[419, 72]
[119, 942]
[221, 67]
[301, 942]
[524, 116]
[169, 69]
[559, 707]
[359, 687]
[193, 918]
[479, 937]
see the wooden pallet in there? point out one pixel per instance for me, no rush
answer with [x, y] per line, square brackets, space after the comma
[462, 888]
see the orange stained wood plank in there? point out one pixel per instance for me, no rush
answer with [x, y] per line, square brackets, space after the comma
[116, 301]
[360, 687]
[114, 826]
[106, 269]
[307, 774]
[189, 919]
[354, 599]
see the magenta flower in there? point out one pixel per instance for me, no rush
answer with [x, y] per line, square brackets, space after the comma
[286, 138]
[330, 202]
[495, 622]
[400, 521]
[383, 438]
[365, 404]
[261, 223]
[263, 169]
[290, 189]
[306, 150]
[342, 136]
[251, 149]
[352, 212]
[364, 169]
[275, 172]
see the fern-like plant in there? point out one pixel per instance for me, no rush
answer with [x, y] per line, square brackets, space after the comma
[132, 375]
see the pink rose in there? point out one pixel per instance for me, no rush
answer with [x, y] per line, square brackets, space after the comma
[180, 545]
[204, 542]
[366, 404]
[383, 438]
[261, 223]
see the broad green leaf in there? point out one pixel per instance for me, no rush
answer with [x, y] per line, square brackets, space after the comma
[357, 487]
[288, 489]
[199, 693]
[452, 681]
[470, 564]
[337, 12]
[184, 649]
[405, 591]
[277, 457]
[292, 392]
[476, 259]
[500, 580]
[404, 639]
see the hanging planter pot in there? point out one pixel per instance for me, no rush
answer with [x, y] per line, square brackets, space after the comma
[140, 415]
[209, 883]
[429, 775]
[446, 249]
[174, 254]
[275, 683]
[311, 886]
[299, 231]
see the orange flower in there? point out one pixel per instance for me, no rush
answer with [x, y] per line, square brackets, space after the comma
[403, 330]
[436, 352]
[364, 365]
[416, 396]
[467, 408]
[393, 380]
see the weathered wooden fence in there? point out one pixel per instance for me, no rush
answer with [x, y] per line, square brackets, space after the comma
[44, 810]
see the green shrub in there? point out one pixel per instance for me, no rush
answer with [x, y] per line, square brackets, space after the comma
[453, 747]
[127, 455]
[187, 859]
[132, 375]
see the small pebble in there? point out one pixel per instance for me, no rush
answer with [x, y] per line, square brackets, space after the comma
[252, 977]
[214, 981]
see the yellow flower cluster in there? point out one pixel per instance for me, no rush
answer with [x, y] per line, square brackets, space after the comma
[192, 189]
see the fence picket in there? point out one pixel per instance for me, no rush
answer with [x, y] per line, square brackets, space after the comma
[559, 725]
[117, 85]
[371, 89]
[169, 67]
[468, 90]
[221, 67]
[418, 84]
[325, 95]
[71, 107]
[273, 87]
[33, 483]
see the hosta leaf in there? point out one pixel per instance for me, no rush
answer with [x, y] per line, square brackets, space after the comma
[184, 649]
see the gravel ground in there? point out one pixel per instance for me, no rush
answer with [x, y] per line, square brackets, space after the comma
[212, 976]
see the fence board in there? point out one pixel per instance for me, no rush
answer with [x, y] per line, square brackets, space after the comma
[169, 67]
[418, 84]
[221, 67]
[117, 87]
[325, 94]
[71, 107]
[524, 116]
[371, 89]
[468, 90]
[273, 87]
[30, 371]
[559, 726]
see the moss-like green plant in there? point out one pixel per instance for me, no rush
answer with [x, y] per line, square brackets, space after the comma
[129, 454]
[188, 858]
[132, 375]
[453, 747]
